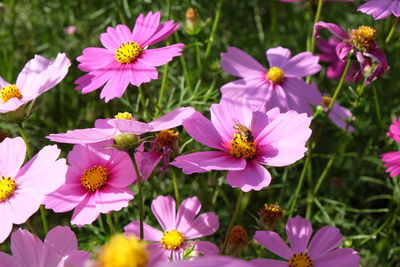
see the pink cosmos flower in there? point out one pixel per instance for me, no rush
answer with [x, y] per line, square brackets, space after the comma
[60, 248]
[392, 159]
[361, 42]
[210, 260]
[279, 86]
[23, 189]
[126, 58]
[322, 251]
[38, 76]
[97, 182]
[179, 229]
[394, 130]
[245, 139]
[337, 66]
[338, 114]
[380, 9]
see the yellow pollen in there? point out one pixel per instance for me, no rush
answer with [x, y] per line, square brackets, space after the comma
[167, 138]
[363, 38]
[128, 52]
[240, 148]
[124, 251]
[300, 260]
[172, 240]
[275, 75]
[123, 116]
[94, 178]
[326, 100]
[7, 187]
[8, 92]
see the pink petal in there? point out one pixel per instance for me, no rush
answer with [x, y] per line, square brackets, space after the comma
[95, 58]
[172, 119]
[77, 258]
[343, 257]
[163, 31]
[324, 240]
[3, 83]
[269, 263]
[115, 37]
[238, 63]
[163, 207]
[129, 126]
[298, 231]
[110, 198]
[83, 136]
[203, 131]
[85, 212]
[141, 73]
[188, 209]
[7, 260]
[145, 27]
[160, 56]
[301, 65]
[95, 79]
[12, 156]
[274, 243]
[212, 260]
[6, 222]
[307, 93]
[208, 160]
[66, 198]
[278, 56]
[392, 162]
[204, 225]
[253, 177]
[27, 248]
[120, 168]
[116, 85]
[149, 233]
[343, 49]
[206, 248]
[62, 240]
[44, 173]
[24, 203]
[146, 162]
[333, 28]
[158, 254]
[379, 9]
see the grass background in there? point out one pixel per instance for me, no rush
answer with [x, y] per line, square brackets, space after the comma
[357, 196]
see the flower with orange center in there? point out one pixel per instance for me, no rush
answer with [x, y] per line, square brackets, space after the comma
[275, 75]
[363, 38]
[167, 139]
[270, 215]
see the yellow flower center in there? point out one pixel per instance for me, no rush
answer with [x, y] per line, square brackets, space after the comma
[8, 92]
[275, 75]
[363, 38]
[326, 100]
[7, 188]
[172, 240]
[124, 251]
[167, 138]
[301, 260]
[242, 148]
[128, 52]
[124, 116]
[94, 178]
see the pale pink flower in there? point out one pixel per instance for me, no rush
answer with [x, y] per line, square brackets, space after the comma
[274, 139]
[23, 188]
[179, 229]
[321, 251]
[60, 248]
[70, 30]
[38, 76]
[394, 130]
[126, 58]
[380, 9]
[391, 160]
[97, 182]
[338, 114]
[279, 86]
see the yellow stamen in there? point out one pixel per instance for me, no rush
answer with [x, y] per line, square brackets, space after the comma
[300, 260]
[241, 148]
[124, 116]
[128, 52]
[8, 92]
[172, 240]
[94, 178]
[326, 100]
[7, 187]
[124, 251]
[270, 215]
[363, 38]
[275, 75]
[167, 138]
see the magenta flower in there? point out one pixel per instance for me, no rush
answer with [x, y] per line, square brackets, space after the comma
[126, 58]
[279, 86]
[97, 182]
[394, 130]
[245, 139]
[211, 260]
[336, 68]
[338, 114]
[38, 76]
[380, 9]
[180, 229]
[23, 189]
[60, 248]
[391, 160]
[360, 42]
[322, 251]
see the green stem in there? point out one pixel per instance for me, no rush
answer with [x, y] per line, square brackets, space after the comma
[110, 223]
[23, 135]
[143, 101]
[213, 29]
[140, 195]
[233, 220]
[120, 13]
[299, 185]
[44, 219]
[377, 105]
[392, 31]
[176, 187]
[324, 174]
[184, 64]
[317, 16]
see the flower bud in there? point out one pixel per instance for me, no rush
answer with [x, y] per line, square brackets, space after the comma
[238, 238]
[270, 215]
